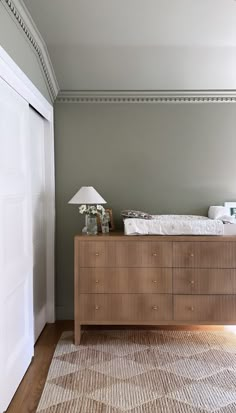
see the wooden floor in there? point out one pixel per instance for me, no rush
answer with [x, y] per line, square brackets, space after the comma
[28, 394]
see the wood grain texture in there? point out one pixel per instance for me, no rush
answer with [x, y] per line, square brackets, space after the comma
[125, 307]
[204, 281]
[130, 254]
[204, 254]
[130, 280]
[77, 326]
[209, 308]
[119, 236]
[125, 280]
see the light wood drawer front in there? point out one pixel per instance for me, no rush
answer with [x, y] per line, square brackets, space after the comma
[204, 254]
[204, 281]
[208, 308]
[125, 307]
[125, 280]
[97, 254]
[125, 254]
[144, 254]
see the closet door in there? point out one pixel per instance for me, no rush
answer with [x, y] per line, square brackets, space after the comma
[38, 192]
[16, 258]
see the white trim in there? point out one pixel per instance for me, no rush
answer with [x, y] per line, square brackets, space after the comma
[230, 204]
[41, 316]
[162, 96]
[14, 76]
[50, 219]
[23, 19]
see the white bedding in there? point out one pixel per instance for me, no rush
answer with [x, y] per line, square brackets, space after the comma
[174, 225]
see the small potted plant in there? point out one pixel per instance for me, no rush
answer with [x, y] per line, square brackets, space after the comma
[91, 212]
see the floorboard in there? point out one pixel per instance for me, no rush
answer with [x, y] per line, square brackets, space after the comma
[28, 394]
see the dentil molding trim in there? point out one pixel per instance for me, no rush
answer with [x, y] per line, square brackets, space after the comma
[178, 96]
[22, 18]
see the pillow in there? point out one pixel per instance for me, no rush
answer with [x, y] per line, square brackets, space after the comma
[130, 213]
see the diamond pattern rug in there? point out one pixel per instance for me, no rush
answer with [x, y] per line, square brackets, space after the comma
[135, 371]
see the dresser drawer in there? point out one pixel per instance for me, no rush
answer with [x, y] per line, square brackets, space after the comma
[125, 280]
[108, 308]
[204, 254]
[125, 254]
[204, 281]
[205, 308]
[97, 254]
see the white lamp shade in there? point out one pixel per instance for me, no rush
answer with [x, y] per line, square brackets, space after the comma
[87, 195]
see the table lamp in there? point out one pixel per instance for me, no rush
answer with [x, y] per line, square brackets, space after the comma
[87, 195]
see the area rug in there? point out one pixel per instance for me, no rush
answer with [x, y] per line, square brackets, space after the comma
[134, 371]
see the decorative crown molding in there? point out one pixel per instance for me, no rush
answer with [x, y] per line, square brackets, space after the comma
[178, 96]
[23, 19]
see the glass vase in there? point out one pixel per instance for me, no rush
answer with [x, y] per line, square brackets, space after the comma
[91, 225]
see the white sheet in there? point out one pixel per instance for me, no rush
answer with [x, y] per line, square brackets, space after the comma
[174, 225]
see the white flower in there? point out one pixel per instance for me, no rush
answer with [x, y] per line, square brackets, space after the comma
[100, 209]
[82, 209]
[92, 210]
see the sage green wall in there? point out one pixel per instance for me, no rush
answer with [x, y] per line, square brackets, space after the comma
[161, 158]
[17, 46]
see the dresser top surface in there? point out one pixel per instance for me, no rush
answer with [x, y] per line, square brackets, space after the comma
[116, 235]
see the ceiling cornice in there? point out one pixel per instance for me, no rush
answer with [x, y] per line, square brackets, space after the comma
[23, 19]
[163, 96]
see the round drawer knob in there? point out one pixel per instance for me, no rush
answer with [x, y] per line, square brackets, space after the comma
[154, 254]
[192, 282]
[97, 281]
[191, 309]
[154, 281]
[192, 254]
[97, 307]
[155, 308]
[97, 254]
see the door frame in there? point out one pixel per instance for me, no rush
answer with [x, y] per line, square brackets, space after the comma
[16, 78]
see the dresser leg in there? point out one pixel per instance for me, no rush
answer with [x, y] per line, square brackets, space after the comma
[77, 334]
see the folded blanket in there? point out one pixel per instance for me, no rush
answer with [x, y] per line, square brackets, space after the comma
[130, 213]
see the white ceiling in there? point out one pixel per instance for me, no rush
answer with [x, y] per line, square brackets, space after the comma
[139, 44]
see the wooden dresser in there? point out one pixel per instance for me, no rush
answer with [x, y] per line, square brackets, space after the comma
[151, 280]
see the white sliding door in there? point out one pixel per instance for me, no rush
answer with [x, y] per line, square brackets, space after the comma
[16, 255]
[39, 214]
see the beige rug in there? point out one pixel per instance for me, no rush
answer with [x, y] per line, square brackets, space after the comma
[142, 371]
